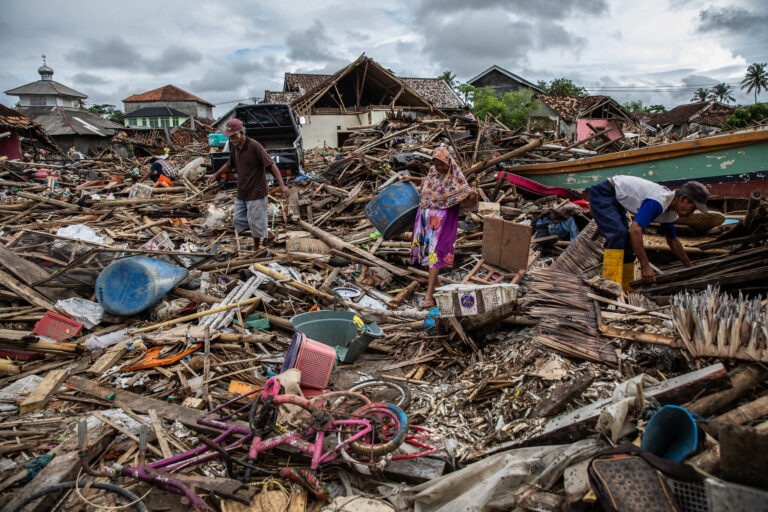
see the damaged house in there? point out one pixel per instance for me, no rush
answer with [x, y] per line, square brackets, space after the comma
[56, 108]
[502, 81]
[360, 94]
[576, 118]
[19, 135]
[703, 116]
[165, 107]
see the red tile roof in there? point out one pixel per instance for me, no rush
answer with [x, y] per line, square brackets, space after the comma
[166, 93]
[709, 113]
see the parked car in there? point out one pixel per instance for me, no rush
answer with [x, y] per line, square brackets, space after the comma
[275, 127]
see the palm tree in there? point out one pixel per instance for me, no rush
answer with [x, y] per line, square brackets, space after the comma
[756, 78]
[703, 94]
[722, 93]
[450, 78]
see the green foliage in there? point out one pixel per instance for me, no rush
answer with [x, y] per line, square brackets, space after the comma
[450, 78]
[635, 107]
[756, 78]
[107, 112]
[512, 109]
[722, 92]
[657, 109]
[703, 94]
[562, 87]
[744, 117]
[467, 93]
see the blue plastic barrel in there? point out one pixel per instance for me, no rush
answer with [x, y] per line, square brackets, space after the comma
[671, 433]
[393, 210]
[131, 285]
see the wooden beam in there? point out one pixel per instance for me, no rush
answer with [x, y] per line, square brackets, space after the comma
[40, 396]
[25, 292]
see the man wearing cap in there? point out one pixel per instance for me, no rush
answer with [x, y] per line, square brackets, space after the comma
[251, 161]
[648, 202]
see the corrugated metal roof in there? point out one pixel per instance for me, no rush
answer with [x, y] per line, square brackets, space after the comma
[72, 121]
[42, 87]
[166, 93]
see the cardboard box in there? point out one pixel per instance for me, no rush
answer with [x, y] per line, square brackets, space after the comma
[506, 244]
[460, 300]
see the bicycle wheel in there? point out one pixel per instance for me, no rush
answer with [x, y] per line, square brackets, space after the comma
[390, 427]
[385, 391]
[341, 402]
[131, 498]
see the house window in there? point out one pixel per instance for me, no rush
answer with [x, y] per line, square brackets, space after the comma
[164, 123]
[153, 122]
[37, 101]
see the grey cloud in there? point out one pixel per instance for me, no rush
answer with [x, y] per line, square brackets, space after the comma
[88, 79]
[312, 44]
[700, 81]
[116, 53]
[551, 35]
[219, 79]
[475, 41]
[552, 9]
[736, 20]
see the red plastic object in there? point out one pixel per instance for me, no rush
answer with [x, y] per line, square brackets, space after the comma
[57, 327]
[20, 355]
[315, 360]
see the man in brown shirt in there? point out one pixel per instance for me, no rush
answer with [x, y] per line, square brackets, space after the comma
[251, 161]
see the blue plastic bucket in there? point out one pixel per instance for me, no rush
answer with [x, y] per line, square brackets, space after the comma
[671, 433]
[131, 285]
[393, 210]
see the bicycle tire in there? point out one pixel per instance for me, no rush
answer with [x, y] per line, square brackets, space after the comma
[375, 448]
[335, 398]
[403, 400]
[137, 503]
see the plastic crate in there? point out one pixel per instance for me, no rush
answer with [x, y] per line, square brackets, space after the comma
[57, 327]
[315, 360]
[457, 300]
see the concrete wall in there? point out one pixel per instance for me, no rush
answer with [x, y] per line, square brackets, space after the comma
[583, 131]
[323, 129]
[48, 100]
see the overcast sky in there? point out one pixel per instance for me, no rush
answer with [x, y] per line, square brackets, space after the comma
[233, 50]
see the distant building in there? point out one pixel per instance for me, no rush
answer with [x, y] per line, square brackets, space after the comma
[502, 81]
[577, 117]
[702, 116]
[361, 93]
[56, 108]
[164, 107]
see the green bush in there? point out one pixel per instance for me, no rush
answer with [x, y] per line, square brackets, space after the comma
[512, 109]
[744, 117]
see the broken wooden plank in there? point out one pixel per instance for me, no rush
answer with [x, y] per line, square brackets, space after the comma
[143, 404]
[40, 396]
[25, 292]
[108, 359]
[743, 379]
[645, 337]
[560, 396]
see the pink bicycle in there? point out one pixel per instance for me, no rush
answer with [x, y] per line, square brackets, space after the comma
[368, 430]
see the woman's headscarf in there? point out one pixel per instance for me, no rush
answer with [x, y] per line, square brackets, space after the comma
[442, 191]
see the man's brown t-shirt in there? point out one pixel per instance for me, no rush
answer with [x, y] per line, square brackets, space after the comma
[251, 162]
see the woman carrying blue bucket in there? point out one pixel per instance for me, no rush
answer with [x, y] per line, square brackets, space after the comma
[443, 192]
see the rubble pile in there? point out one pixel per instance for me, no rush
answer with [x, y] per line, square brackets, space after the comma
[507, 402]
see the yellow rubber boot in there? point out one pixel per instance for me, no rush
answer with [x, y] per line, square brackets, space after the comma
[613, 260]
[628, 275]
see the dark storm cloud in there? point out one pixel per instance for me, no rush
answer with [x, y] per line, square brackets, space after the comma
[736, 20]
[312, 44]
[471, 43]
[551, 35]
[552, 9]
[88, 79]
[116, 53]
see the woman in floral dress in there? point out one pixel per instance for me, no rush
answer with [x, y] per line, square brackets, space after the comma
[443, 191]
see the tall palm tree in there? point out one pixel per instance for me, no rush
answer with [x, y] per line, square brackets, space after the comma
[722, 92]
[450, 78]
[703, 94]
[756, 78]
